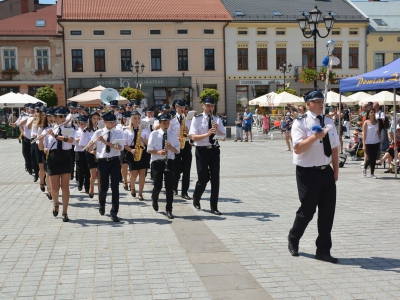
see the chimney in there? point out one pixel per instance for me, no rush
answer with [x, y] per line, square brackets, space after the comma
[24, 6]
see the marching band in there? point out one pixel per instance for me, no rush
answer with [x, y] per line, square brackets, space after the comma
[105, 145]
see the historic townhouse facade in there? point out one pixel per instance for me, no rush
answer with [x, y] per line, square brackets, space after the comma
[31, 53]
[264, 34]
[182, 49]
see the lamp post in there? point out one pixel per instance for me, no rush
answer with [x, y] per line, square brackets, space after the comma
[135, 70]
[310, 22]
[285, 69]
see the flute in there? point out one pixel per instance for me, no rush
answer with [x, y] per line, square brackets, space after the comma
[93, 140]
[166, 155]
[45, 132]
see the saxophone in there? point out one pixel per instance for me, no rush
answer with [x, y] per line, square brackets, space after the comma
[138, 145]
[183, 135]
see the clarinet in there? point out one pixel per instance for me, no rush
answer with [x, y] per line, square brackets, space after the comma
[166, 155]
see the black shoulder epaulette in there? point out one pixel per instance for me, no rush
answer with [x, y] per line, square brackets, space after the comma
[198, 115]
[301, 117]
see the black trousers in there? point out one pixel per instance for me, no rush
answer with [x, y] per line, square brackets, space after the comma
[35, 166]
[317, 188]
[159, 174]
[109, 169]
[372, 152]
[72, 153]
[82, 169]
[183, 164]
[207, 163]
[26, 152]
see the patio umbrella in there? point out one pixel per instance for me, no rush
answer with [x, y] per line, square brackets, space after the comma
[284, 98]
[32, 99]
[359, 96]
[92, 97]
[268, 100]
[383, 98]
[12, 100]
[257, 100]
[334, 98]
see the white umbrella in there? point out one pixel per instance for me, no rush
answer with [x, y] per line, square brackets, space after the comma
[333, 98]
[284, 98]
[268, 100]
[359, 96]
[257, 100]
[12, 100]
[383, 98]
[32, 99]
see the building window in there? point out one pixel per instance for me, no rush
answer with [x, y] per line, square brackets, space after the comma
[335, 31]
[40, 23]
[353, 57]
[243, 58]
[379, 60]
[156, 59]
[242, 97]
[99, 60]
[126, 59]
[208, 31]
[337, 52]
[183, 60]
[307, 57]
[98, 32]
[353, 31]
[261, 31]
[42, 58]
[262, 59]
[280, 56]
[77, 60]
[9, 58]
[125, 32]
[280, 31]
[396, 56]
[242, 31]
[182, 31]
[380, 22]
[155, 31]
[209, 60]
[75, 32]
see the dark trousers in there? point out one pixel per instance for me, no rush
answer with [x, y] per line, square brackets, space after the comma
[207, 162]
[183, 164]
[82, 169]
[372, 152]
[109, 169]
[72, 153]
[26, 152]
[159, 174]
[317, 188]
[34, 163]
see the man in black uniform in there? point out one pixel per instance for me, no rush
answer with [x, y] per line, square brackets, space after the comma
[202, 131]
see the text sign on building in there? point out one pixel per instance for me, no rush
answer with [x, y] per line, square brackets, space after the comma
[253, 82]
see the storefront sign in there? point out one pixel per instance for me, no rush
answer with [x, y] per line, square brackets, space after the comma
[260, 82]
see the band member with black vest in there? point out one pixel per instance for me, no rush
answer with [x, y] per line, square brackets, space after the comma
[203, 129]
[163, 145]
[315, 145]
[107, 153]
[183, 160]
[57, 146]
[91, 159]
[136, 137]
[82, 166]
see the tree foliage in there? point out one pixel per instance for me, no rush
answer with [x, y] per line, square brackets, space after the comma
[48, 95]
[210, 92]
[287, 90]
[131, 93]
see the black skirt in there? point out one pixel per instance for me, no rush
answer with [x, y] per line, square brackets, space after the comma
[59, 162]
[91, 160]
[38, 154]
[143, 163]
[123, 157]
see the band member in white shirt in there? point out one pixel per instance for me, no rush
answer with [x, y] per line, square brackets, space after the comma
[163, 145]
[132, 146]
[107, 153]
[48, 125]
[26, 137]
[58, 145]
[37, 129]
[203, 129]
[82, 167]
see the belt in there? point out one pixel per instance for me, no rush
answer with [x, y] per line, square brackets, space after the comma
[108, 158]
[207, 147]
[158, 161]
[316, 167]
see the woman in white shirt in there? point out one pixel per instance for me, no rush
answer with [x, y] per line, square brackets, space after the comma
[371, 140]
[37, 129]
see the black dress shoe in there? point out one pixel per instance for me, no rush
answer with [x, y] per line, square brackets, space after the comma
[196, 204]
[292, 249]
[327, 258]
[175, 192]
[79, 187]
[91, 195]
[186, 196]
[155, 204]
[35, 178]
[216, 212]
[170, 215]
[102, 210]
[114, 218]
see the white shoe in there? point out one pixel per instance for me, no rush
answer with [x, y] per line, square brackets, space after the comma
[362, 164]
[373, 176]
[364, 172]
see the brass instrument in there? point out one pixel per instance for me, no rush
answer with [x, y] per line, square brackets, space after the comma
[213, 126]
[182, 134]
[166, 155]
[139, 148]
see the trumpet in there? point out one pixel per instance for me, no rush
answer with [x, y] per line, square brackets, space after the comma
[93, 140]
[166, 155]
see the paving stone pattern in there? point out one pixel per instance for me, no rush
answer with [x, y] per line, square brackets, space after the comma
[241, 254]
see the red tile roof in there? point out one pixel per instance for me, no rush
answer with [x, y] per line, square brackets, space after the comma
[144, 10]
[25, 24]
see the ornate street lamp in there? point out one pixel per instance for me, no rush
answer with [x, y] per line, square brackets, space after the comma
[285, 69]
[310, 22]
[135, 70]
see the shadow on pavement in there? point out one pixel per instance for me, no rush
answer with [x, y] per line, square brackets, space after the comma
[107, 222]
[259, 216]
